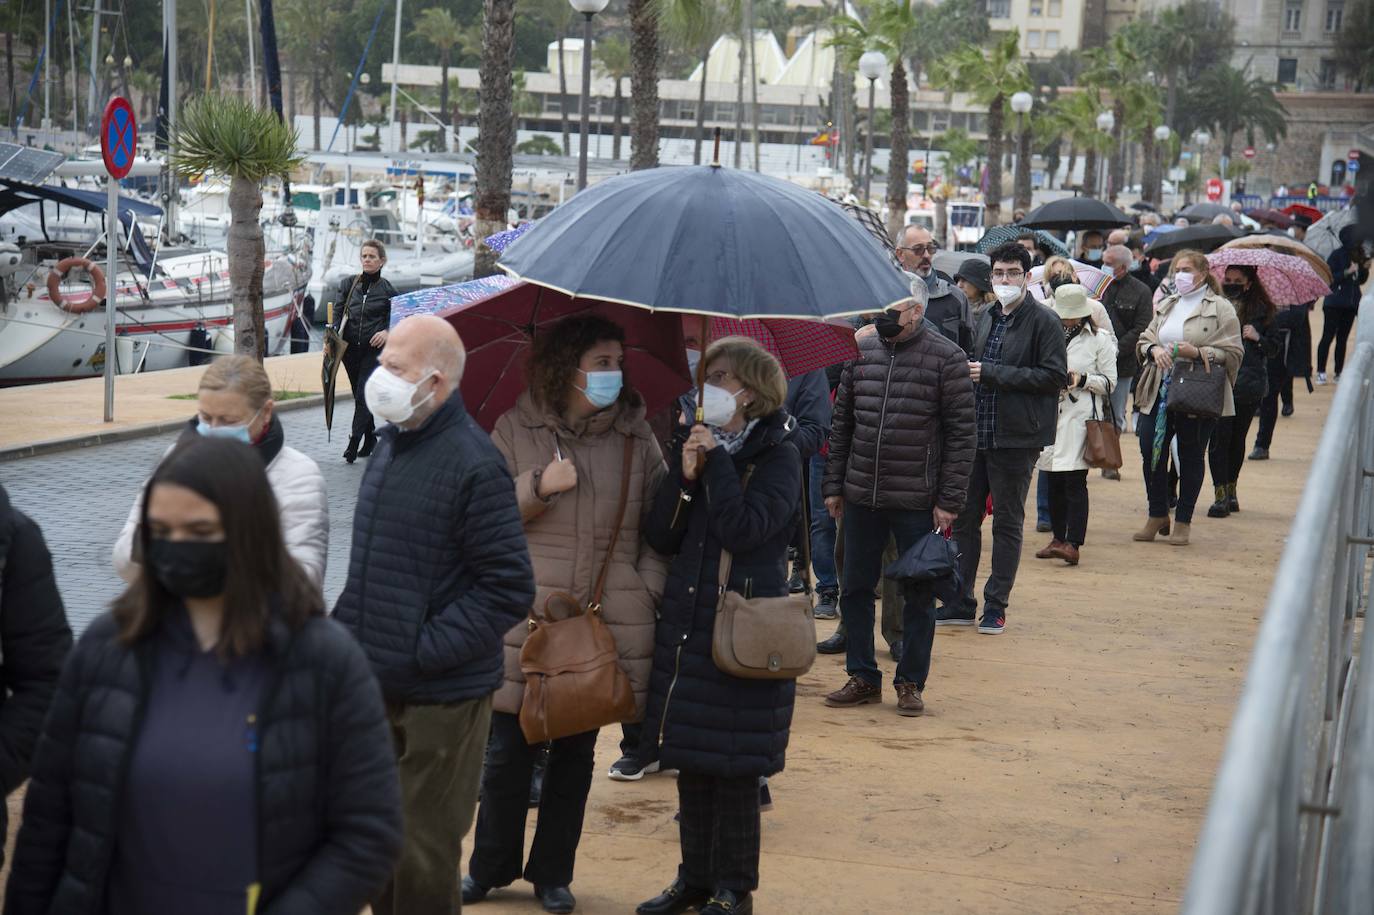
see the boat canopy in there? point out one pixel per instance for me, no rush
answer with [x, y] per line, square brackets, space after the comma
[16, 194]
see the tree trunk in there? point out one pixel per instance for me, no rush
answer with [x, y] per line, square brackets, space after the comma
[897, 158]
[495, 129]
[317, 101]
[563, 95]
[443, 100]
[996, 132]
[244, 245]
[1171, 98]
[847, 131]
[615, 135]
[1021, 181]
[1117, 161]
[1090, 171]
[1149, 167]
[701, 107]
[643, 84]
[739, 104]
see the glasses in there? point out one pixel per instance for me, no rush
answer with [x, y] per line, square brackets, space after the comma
[1013, 275]
[919, 249]
[717, 379]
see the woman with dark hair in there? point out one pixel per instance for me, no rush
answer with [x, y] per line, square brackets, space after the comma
[575, 440]
[362, 316]
[216, 745]
[1350, 268]
[733, 493]
[1259, 336]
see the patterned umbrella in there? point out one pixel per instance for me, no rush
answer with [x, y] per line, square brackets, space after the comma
[501, 240]
[435, 299]
[1086, 275]
[1285, 245]
[801, 346]
[1287, 279]
[1000, 235]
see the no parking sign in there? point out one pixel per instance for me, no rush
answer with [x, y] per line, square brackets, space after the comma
[118, 137]
[118, 142]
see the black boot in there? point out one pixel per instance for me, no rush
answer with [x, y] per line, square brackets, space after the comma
[1219, 509]
[351, 452]
[369, 444]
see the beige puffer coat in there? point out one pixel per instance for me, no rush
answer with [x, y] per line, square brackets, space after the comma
[568, 534]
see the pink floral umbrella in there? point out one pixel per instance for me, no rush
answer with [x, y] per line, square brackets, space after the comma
[1288, 280]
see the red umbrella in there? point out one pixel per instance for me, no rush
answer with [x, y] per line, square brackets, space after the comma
[801, 346]
[1302, 209]
[1287, 279]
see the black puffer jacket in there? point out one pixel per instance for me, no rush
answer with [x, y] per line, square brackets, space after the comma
[329, 821]
[34, 640]
[440, 569]
[903, 436]
[367, 302]
[699, 719]
[1033, 370]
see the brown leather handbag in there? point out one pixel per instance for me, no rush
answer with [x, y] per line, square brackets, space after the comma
[764, 638]
[1101, 441]
[573, 679]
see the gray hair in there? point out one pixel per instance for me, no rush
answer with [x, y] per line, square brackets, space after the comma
[1118, 253]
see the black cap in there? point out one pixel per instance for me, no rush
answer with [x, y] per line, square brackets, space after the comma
[977, 273]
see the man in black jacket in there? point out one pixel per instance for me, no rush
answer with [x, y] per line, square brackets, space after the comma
[34, 641]
[948, 309]
[439, 572]
[1019, 367]
[1129, 304]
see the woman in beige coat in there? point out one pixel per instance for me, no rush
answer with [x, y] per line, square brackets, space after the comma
[565, 444]
[1193, 322]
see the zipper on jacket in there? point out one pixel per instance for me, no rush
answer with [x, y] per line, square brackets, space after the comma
[672, 684]
[882, 418]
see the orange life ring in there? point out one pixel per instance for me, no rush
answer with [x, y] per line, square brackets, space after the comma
[92, 301]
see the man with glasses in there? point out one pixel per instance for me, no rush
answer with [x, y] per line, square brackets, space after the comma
[1019, 367]
[948, 309]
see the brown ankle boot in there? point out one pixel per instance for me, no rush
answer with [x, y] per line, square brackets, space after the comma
[1152, 528]
[1180, 535]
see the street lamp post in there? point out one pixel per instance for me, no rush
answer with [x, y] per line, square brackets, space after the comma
[1021, 103]
[871, 65]
[588, 9]
[1105, 122]
[1162, 134]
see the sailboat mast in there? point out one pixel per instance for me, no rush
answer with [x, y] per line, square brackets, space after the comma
[395, 66]
[93, 99]
[47, 64]
[71, 51]
[169, 41]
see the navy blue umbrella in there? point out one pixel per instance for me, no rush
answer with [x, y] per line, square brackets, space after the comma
[709, 240]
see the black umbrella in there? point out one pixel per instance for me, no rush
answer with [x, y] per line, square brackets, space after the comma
[334, 347]
[933, 558]
[1145, 207]
[1202, 238]
[1205, 212]
[1075, 213]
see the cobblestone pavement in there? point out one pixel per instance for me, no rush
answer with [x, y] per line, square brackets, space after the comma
[80, 498]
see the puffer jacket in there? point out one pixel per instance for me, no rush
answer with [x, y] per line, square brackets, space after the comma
[439, 570]
[367, 302]
[302, 502]
[329, 819]
[569, 532]
[904, 433]
[699, 719]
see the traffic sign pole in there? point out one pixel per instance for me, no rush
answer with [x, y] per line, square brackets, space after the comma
[118, 142]
[111, 249]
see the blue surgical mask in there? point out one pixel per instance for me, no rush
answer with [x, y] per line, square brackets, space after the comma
[1135, 264]
[603, 388]
[1093, 255]
[237, 433]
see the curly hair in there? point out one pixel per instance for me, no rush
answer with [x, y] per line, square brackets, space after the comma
[556, 353]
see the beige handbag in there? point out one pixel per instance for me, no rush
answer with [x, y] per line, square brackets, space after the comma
[764, 638]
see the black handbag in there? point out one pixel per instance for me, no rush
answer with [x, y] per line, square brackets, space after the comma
[1198, 388]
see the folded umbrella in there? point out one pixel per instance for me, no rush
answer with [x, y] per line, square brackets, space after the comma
[334, 348]
[1000, 235]
[933, 558]
[1075, 213]
[1284, 245]
[1287, 280]
[1202, 238]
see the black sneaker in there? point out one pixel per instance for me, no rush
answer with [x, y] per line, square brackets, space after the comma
[1287, 409]
[829, 606]
[795, 584]
[954, 616]
[836, 644]
[1259, 454]
[992, 623]
[629, 769]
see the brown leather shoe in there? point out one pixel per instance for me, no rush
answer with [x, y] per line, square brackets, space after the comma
[1067, 552]
[855, 692]
[1049, 551]
[909, 701]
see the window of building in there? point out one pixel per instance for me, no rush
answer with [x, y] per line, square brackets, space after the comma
[1033, 38]
[1037, 7]
[999, 9]
[1056, 8]
[687, 111]
[1292, 16]
[1326, 75]
[1288, 70]
[1335, 15]
[551, 104]
[1052, 40]
[725, 111]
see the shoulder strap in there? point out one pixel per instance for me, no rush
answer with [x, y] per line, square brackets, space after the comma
[626, 471]
[727, 559]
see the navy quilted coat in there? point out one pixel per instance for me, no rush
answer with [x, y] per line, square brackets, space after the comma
[439, 570]
[699, 719]
[329, 818]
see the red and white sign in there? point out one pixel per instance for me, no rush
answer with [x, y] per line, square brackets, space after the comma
[118, 137]
[1353, 154]
[1248, 152]
[1214, 189]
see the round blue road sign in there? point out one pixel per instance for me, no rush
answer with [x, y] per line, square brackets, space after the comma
[118, 137]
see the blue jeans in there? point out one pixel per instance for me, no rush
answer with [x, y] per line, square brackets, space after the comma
[822, 530]
[866, 534]
[1042, 498]
[1120, 395]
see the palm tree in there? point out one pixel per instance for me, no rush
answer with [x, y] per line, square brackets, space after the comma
[495, 128]
[695, 25]
[1118, 68]
[229, 136]
[437, 26]
[991, 76]
[613, 60]
[1074, 117]
[1232, 101]
[1353, 43]
[644, 58]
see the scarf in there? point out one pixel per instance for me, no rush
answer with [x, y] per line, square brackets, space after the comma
[732, 442]
[1161, 421]
[1071, 333]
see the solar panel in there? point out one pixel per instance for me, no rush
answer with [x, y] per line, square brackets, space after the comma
[24, 163]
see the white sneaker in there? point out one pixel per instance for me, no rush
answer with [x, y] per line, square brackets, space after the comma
[1321, 378]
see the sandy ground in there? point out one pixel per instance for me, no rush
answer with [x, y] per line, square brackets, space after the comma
[1062, 767]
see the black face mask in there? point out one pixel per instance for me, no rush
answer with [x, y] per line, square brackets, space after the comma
[189, 568]
[1058, 281]
[1232, 290]
[888, 325]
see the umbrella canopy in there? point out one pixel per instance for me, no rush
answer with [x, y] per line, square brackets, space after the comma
[1200, 238]
[1284, 245]
[434, 299]
[1302, 209]
[1205, 212]
[1323, 236]
[1075, 213]
[873, 225]
[334, 348]
[1086, 275]
[1287, 279]
[709, 240]
[502, 240]
[800, 346]
[950, 262]
[1000, 235]
[1144, 207]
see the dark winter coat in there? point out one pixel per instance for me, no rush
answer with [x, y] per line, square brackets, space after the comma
[1034, 369]
[1130, 305]
[699, 719]
[1345, 287]
[439, 570]
[808, 402]
[367, 302]
[34, 640]
[1252, 379]
[949, 311]
[329, 821]
[903, 436]
[1293, 326]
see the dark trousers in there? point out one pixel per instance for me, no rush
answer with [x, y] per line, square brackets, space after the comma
[866, 535]
[1336, 325]
[1280, 388]
[719, 829]
[499, 846]
[1068, 505]
[822, 530]
[1004, 474]
[1192, 434]
[891, 598]
[360, 362]
[631, 739]
[1226, 453]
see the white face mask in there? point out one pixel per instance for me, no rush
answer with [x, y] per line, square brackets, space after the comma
[718, 405]
[391, 397]
[1184, 282]
[1007, 294]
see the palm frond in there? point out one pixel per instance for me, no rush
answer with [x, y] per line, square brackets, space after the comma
[229, 136]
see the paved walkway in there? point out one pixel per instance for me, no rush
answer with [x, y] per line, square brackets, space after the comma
[1062, 767]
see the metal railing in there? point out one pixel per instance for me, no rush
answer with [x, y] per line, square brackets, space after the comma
[1290, 826]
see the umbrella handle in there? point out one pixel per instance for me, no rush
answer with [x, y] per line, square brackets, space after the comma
[701, 363]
